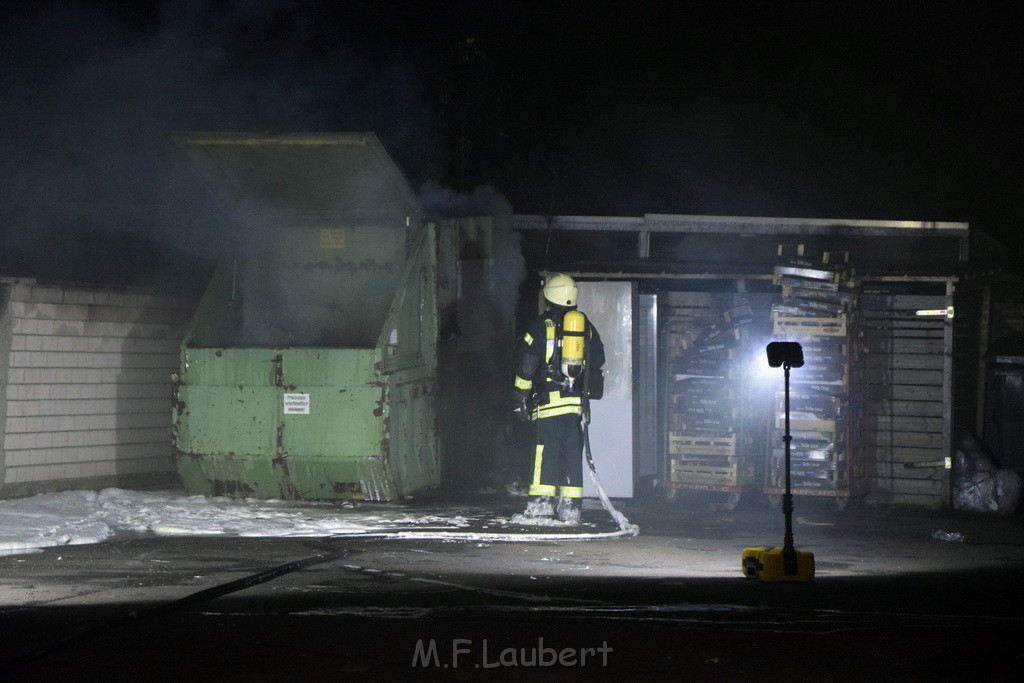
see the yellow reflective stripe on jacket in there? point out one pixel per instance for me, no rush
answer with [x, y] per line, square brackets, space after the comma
[523, 383]
[528, 338]
[556, 398]
[559, 405]
[549, 335]
[552, 411]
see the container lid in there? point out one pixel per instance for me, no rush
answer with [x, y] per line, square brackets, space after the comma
[328, 174]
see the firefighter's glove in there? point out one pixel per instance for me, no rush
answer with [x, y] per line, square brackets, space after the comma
[521, 406]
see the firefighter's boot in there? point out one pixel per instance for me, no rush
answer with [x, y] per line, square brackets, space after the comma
[539, 507]
[569, 510]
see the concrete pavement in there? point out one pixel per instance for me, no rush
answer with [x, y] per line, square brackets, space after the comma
[893, 599]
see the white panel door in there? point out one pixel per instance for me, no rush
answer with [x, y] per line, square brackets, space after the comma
[609, 306]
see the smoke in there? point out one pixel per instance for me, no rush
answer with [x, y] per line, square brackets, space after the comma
[508, 274]
[491, 269]
[93, 97]
[506, 268]
[444, 202]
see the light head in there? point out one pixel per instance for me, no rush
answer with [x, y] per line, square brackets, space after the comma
[789, 354]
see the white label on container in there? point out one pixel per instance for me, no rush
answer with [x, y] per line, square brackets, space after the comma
[296, 404]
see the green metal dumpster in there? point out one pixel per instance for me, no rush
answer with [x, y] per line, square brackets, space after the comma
[310, 367]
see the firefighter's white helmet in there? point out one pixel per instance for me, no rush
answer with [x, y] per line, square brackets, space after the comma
[561, 290]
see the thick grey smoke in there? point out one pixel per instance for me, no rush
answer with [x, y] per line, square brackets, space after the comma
[506, 268]
[485, 200]
[478, 453]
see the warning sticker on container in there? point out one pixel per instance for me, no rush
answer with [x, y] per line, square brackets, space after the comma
[296, 404]
[332, 238]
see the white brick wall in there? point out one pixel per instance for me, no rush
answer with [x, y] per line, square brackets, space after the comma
[5, 388]
[85, 388]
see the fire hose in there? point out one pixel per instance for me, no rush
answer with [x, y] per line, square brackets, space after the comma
[625, 527]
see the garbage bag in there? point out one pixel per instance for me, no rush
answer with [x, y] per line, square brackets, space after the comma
[971, 456]
[977, 485]
[976, 493]
[996, 491]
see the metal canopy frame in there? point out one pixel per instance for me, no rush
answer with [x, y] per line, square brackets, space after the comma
[648, 224]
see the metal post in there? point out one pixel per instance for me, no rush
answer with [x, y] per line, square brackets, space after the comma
[788, 551]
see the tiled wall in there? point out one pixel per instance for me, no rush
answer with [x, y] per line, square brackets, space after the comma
[85, 391]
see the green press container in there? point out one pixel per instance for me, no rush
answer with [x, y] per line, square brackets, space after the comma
[310, 368]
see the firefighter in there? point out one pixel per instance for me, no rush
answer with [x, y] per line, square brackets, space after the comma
[555, 352]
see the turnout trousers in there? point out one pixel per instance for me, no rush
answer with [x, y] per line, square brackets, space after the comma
[558, 462]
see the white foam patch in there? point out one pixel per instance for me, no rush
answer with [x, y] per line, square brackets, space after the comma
[28, 525]
[530, 520]
[78, 517]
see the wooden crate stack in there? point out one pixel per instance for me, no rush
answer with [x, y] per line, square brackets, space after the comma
[706, 398]
[815, 311]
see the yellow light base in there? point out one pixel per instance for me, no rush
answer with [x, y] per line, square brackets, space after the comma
[767, 563]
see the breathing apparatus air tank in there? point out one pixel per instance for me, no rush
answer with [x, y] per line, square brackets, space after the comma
[574, 325]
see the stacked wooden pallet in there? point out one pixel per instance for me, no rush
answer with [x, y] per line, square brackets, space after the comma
[815, 311]
[705, 411]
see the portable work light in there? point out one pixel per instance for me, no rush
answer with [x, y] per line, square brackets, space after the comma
[771, 563]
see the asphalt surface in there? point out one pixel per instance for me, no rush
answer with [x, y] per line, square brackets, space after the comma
[898, 595]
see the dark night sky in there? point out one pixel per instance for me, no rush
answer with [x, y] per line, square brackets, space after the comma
[800, 109]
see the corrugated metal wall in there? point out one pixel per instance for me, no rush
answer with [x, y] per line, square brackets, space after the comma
[646, 428]
[85, 378]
